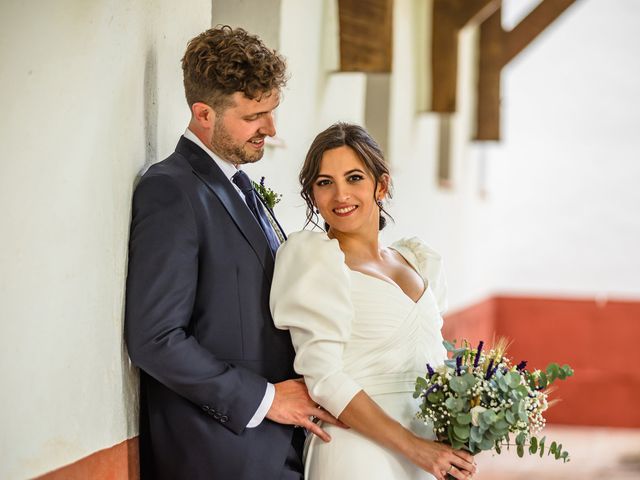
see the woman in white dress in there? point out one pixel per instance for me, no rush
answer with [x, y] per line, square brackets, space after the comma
[364, 320]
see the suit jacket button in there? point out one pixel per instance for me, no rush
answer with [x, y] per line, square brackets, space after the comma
[224, 419]
[206, 408]
[217, 415]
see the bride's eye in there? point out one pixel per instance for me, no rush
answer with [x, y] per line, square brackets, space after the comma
[322, 183]
[355, 177]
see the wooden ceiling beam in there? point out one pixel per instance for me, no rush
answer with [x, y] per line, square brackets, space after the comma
[497, 48]
[366, 31]
[448, 18]
[532, 25]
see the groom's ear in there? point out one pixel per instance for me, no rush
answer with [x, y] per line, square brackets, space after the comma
[203, 115]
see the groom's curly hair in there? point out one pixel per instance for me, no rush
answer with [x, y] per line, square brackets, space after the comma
[224, 60]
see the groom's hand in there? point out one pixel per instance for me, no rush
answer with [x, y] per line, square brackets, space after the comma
[292, 405]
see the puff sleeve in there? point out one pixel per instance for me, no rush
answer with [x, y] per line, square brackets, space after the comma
[311, 297]
[428, 262]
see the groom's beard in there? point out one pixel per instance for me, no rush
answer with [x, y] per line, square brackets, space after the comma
[224, 146]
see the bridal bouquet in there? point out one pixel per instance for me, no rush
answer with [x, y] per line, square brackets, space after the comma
[479, 399]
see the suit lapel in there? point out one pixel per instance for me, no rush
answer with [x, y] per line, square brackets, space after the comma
[273, 220]
[211, 175]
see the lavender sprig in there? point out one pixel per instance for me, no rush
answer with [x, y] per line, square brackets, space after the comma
[430, 370]
[479, 351]
[489, 370]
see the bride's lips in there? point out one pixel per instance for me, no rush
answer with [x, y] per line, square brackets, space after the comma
[344, 211]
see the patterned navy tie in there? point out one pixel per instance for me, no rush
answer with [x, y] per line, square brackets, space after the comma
[243, 182]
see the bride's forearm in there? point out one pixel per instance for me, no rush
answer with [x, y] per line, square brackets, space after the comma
[366, 417]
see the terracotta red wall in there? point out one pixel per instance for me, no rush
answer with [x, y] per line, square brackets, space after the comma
[120, 462]
[599, 340]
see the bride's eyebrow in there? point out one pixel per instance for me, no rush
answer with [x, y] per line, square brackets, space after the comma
[323, 175]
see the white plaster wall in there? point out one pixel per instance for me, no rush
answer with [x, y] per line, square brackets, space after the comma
[90, 93]
[563, 183]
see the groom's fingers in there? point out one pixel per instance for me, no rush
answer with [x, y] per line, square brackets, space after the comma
[325, 416]
[316, 430]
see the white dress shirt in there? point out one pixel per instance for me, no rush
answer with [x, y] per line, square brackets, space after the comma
[229, 170]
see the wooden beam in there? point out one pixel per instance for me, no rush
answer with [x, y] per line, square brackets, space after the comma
[448, 18]
[497, 48]
[532, 25]
[491, 61]
[366, 29]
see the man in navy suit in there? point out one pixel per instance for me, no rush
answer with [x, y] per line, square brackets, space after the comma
[219, 397]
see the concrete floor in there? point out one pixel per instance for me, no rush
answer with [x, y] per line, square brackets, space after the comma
[596, 453]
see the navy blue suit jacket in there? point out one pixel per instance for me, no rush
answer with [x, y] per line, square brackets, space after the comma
[198, 325]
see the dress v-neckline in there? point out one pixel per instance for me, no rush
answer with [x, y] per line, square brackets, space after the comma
[425, 283]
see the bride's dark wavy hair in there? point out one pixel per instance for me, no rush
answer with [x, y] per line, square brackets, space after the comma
[339, 135]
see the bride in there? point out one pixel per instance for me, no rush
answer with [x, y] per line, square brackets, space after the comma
[364, 319]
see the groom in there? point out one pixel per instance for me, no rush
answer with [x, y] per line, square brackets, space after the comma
[218, 398]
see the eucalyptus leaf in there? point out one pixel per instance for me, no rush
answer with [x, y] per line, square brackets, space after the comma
[461, 432]
[450, 363]
[510, 417]
[457, 384]
[489, 417]
[455, 405]
[448, 345]
[544, 439]
[463, 418]
[435, 397]
[486, 444]
[513, 379]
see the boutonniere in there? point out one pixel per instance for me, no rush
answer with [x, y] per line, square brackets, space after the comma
[269, 196]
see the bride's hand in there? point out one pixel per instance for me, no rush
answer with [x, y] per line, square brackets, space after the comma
[440, 459]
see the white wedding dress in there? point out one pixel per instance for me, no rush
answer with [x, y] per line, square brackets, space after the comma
[355, 332]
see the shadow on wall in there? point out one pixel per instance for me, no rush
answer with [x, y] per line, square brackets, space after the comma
[150, 108]
[595, 338]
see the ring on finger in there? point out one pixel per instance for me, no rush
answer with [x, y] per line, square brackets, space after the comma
[449, 469]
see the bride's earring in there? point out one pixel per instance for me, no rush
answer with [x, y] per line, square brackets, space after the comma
[316, 210]
[379, 203]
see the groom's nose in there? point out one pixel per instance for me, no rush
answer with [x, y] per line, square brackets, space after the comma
[269, 125]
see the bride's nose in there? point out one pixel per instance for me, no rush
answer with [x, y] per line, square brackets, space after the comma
[342, 192]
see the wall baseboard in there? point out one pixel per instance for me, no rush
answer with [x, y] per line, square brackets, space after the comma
[120, 462]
